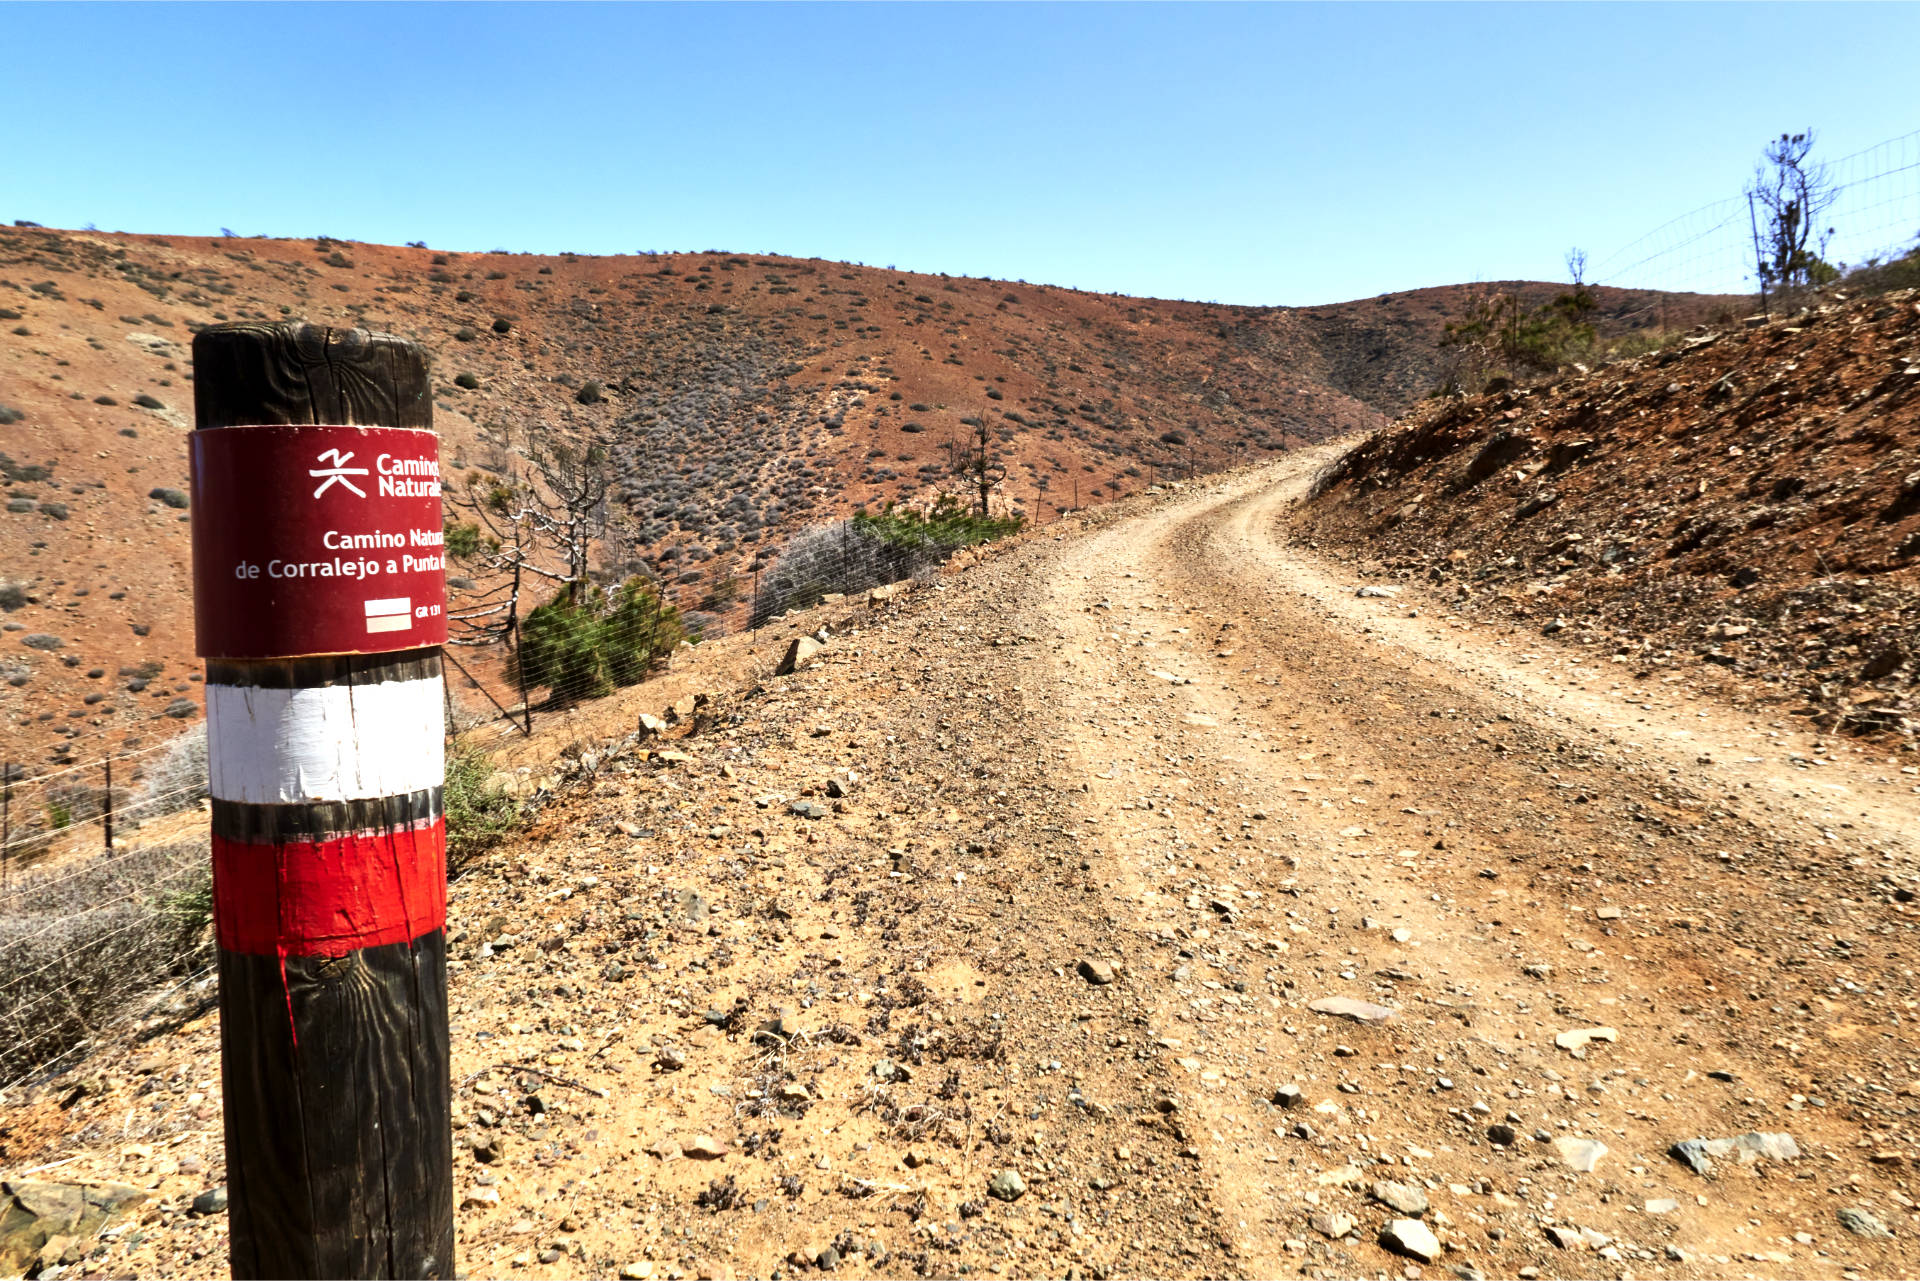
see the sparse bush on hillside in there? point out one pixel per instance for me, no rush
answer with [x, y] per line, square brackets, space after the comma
[479, 816]
[1874, 276]
[463, 539]
[468, 381]
[1501, 337]
[175, 780]
[869, 550]
[584, 650]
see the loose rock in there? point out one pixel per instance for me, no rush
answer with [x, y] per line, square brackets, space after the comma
[1332, 1224]
[1580, 1154]
[1863, 1222]
[1698, 1155]
[1575, 1042]
[1411, 1238]
[799, 653]
[1347, 1007]
[1403, 1197]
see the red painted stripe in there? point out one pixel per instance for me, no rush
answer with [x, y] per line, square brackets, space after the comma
[328, 898]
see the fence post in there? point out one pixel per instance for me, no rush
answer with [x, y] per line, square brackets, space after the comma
[1759, 264]
[326, 766]
[526, 704]
[107, 808]
[6, 822]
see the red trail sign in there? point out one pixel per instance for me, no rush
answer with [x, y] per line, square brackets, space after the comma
[317, 540]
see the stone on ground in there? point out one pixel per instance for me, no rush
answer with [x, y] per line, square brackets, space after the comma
[1411, 1238]
[799, 653]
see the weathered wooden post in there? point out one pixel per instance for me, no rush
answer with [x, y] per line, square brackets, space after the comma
[319, 605]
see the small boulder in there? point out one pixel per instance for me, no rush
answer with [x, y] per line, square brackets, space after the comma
[1404, 1197]
[703, 1147]
[1332, 1224]
[1348, 1007]
[1580, 1154]
[1699, 1155]
[1575, 1042]
[1411, 1238]
[800, 653]
[1863, 1222]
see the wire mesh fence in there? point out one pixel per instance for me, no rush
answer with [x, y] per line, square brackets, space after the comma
[105, 885]
[1715, 249]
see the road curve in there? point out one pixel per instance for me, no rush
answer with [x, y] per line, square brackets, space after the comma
[1297, 793]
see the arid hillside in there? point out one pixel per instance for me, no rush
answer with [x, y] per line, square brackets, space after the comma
[1137, 900]
[1387, 351]
[743, 398]
[1745, 504]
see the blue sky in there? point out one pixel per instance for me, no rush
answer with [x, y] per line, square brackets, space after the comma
[1252, 154]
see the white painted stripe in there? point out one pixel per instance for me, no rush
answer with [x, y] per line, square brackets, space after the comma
[390, 623]
[335, 743]
[390, 605]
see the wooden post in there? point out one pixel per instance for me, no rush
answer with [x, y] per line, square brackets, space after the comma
[319, 596]
[526, 704]
[1759, 260]
[107, 808]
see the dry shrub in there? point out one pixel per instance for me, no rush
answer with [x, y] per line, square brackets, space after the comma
[80, 940]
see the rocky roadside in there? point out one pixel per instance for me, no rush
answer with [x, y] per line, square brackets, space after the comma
[781, 989]
[1741, 509]
[1118, 907]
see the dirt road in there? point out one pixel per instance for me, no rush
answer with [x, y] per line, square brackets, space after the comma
[1316, 793]
[1144, 901]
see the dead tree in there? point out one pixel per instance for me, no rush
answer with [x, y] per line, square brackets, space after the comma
[1792, 192]
[984, 465]
[537, 518]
